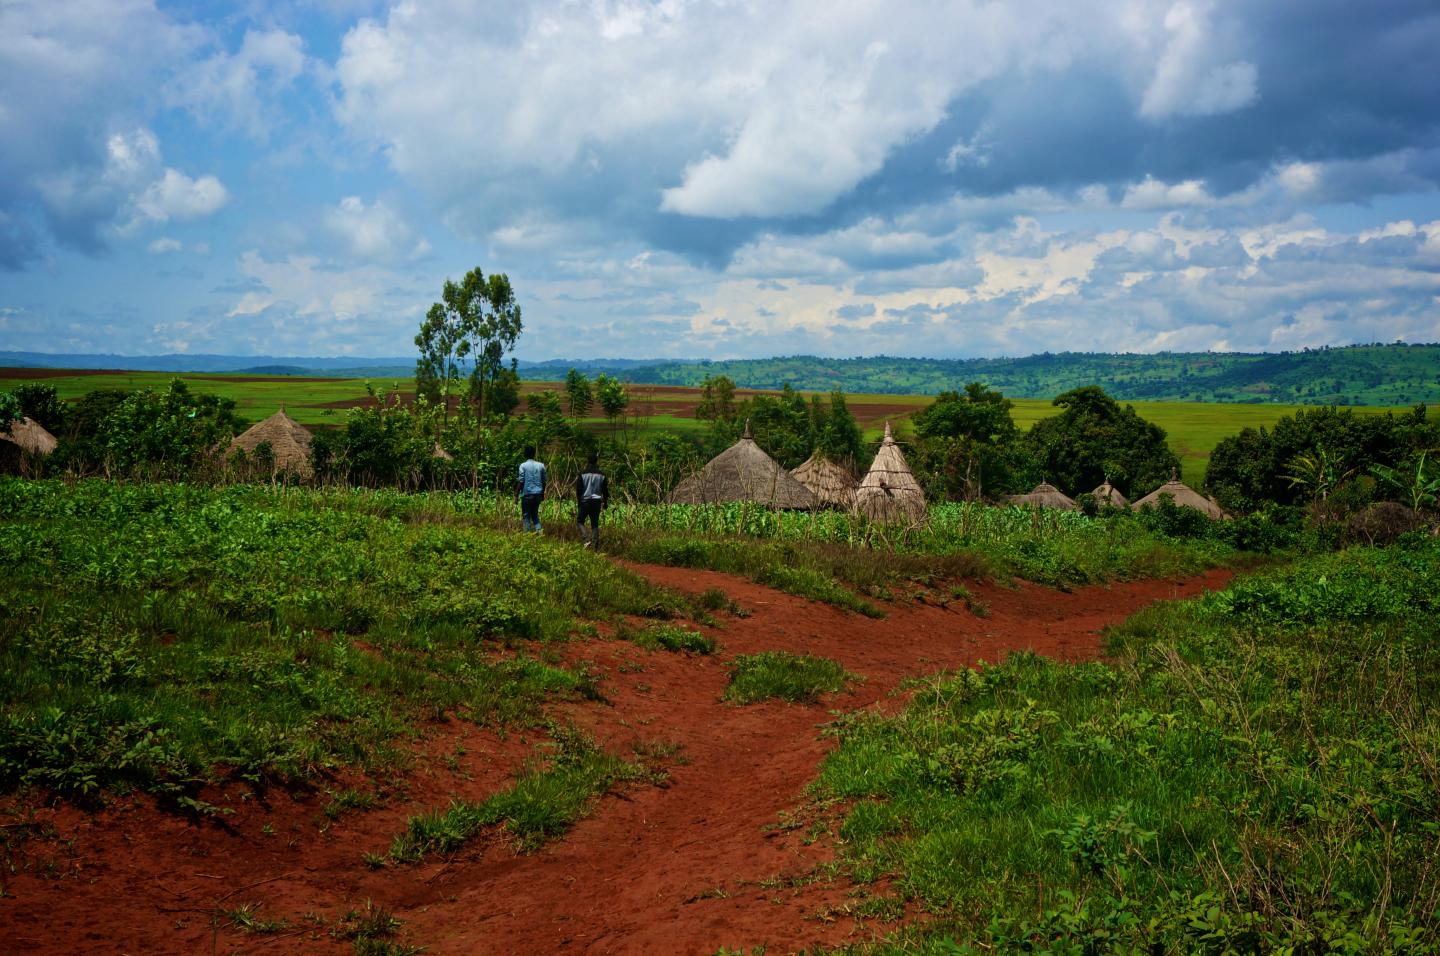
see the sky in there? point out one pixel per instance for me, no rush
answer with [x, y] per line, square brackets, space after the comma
[720, 178]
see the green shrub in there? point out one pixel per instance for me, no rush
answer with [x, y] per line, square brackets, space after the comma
[796, 678]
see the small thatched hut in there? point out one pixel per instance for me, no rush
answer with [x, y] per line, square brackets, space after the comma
[1184, 497]
[1108, 495]
[289, 443]
[889, 492]
[30, 437]
[1045, 495]
[743, 472]
[832, 484]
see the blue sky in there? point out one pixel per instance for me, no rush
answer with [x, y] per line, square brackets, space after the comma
[720, 179]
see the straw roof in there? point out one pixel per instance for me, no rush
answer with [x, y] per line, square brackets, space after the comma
[743, 472]
[1108, 494]
[1046, 495]
[441, 453]
[289, 442]
[832, 484]
[1184, 496]
[30, 436]
[889, 492]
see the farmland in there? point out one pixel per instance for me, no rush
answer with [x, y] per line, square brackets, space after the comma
[1193, 428]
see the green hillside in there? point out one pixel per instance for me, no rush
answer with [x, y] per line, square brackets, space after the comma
[1355, 375]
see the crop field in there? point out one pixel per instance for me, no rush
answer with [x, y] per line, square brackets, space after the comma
[1193, 428]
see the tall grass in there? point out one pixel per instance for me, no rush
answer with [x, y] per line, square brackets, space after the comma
[1258, 770]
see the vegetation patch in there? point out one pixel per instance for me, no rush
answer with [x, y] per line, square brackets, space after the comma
[673, 637]
[164, 637]
[798, 678]
[1255, 771]
[544, 802]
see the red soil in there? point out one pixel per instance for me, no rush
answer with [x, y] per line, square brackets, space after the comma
[712, 858]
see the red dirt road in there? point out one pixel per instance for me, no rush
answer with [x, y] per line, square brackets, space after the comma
[713, 858]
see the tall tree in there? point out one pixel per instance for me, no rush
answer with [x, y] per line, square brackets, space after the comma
[613, 397]
[1095, 439]
[579, 393]
[472, 327]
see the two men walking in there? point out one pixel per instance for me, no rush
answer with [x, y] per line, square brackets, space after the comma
[592, 493]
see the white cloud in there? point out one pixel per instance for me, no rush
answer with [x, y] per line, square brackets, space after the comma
[374, 232]
[1195, 75]
[163, 245]
[234, 88]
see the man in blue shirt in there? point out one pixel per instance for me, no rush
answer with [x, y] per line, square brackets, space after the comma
[530, 482]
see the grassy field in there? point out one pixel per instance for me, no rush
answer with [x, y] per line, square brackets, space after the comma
[1194, 428]
[1252, 771]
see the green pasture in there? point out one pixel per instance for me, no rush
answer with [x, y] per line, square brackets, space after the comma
[1194, 428]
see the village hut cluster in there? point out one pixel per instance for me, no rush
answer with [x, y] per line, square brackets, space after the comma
[744, 472]
[1046, 495]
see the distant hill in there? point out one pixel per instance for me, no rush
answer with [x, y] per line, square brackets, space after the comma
[1352, 375]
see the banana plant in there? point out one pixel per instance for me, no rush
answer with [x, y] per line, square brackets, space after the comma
[1420, 486]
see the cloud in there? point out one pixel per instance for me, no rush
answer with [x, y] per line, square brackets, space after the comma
[164, 245]
[234, 88]
[132, 190]
[373, 233]
[71, 73]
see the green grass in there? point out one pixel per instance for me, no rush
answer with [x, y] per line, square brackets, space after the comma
[162, 637]
[544, 802]
[1254, 771]
[797, 678]
[673, 637]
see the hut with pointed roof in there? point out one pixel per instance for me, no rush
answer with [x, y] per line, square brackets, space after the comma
[832, 483]
[289, 443]
[889, 492]
[30, 437]
[743, 472]
[1184, 496]
[1107, 495]
[1045, 495]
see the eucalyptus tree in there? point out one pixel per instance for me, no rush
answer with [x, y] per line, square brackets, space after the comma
[466, 336]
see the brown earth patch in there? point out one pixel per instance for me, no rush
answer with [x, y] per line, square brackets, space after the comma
[39, 373]
[709, 859]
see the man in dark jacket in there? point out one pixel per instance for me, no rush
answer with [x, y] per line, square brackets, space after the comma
[592, 492]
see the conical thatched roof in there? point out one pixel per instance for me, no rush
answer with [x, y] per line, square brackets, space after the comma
[1185, 497]
[832, 484]
[1108, 494]
[441, 453]
[289, 442]
[1045, 495]
[30, 436]
[743, 472]
[889, 492]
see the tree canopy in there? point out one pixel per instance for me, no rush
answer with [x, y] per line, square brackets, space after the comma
[1096, 439]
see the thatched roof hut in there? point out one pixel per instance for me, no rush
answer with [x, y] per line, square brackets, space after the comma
[30, 437]
[889, 491]
[1108, 494]
[1184, 497]
[1045, 495]
[441, 453]
[289, 443]
[832, 483]
[743, 472]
